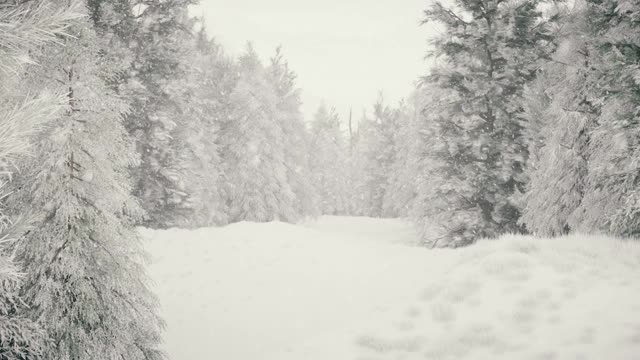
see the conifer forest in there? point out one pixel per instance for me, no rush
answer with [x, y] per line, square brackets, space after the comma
[163, 198]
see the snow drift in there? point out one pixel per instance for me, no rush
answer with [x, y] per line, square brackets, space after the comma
[355, 288]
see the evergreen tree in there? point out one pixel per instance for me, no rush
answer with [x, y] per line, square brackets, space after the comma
[586, 179]
[159, 46]
[85, 281]
[253, 149]
[295, 136]
[401, 192]
[377, 137]
[205, 102]
[488, 51]
[154, 38]
[357, 195]
[329, 162]
[611, 202]
[26, 26]
[559, 126]
[438, 185]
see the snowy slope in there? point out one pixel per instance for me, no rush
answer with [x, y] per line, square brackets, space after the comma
[351, 288]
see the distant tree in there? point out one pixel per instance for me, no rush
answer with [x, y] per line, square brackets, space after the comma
[400, 195]
[252, 148]
[295, 136]
[377, 137]
[205, 104]
[328, 159]
[356, 162]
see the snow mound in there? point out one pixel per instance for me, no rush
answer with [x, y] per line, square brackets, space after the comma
[575, 297]
[352, 288]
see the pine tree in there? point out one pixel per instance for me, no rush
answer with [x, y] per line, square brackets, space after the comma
[586, 179]
[115, 23]
[377, 142]
[329, 162]
[85, 281]
[611, 202]
[559, 125]
[357, 195]
[401, 191]
[253, 149]
[488, 51]
[158, 66]
[560, 165]
[205, 102]
[295, 137]
[25, 28]
[439, 186]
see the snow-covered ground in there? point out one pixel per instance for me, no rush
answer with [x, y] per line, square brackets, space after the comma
[354, 288]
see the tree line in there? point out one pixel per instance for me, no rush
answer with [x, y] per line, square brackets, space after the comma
[526, 123]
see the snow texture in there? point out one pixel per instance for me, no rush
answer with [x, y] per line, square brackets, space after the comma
[356, 288]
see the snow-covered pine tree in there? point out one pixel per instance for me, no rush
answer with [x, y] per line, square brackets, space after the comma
[559, 122]
[252, 149]
[611, 201]
[154, 37]
[115, 23]
[587, 175]
[295, 136]
[26, 26]
[205, 99]
[556, 170]
[439, 186]
[357, 195]
[159, 64]
[401, 191]
[20, 337]
[488, 50]
[85, 281]
[328, 159]
[377, 142]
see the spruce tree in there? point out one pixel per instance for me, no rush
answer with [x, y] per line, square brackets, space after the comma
[154, 38]
[377, 142]
[329, 162]
[487, 52]
[158, 66]
[205, 92]
[559, 122]
[295, 137]
[26, 27]
[401, 192]
[611, 202]
[85, 281]
[586, 179]
[357, 195]
[252, 149]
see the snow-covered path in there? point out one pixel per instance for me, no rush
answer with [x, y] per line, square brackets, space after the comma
[351, 288]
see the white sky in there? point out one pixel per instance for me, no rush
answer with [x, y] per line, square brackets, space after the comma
[343, 51]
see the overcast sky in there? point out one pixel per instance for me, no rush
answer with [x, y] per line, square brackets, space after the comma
[344, 51]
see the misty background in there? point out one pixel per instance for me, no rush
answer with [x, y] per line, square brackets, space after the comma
[344, 52]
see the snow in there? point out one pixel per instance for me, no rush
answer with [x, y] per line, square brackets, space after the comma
[356, 288]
